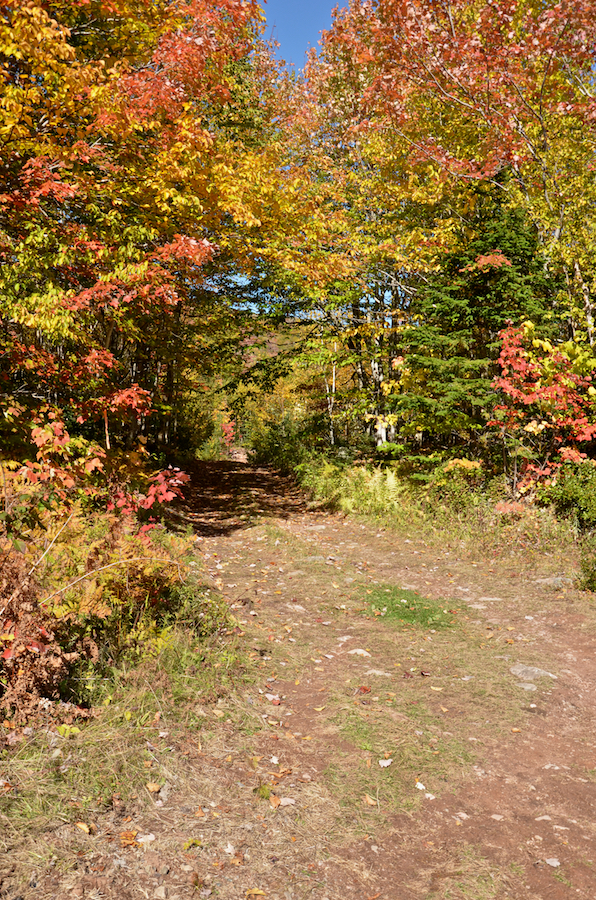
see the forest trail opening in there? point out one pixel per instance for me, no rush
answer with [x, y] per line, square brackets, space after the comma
[364, 754]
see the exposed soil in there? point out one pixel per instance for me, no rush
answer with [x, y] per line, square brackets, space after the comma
[491, 790]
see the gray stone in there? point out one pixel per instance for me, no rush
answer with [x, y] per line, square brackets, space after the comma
[526, 685]
[526, 673]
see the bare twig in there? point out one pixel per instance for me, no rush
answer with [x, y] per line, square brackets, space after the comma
[51, 544]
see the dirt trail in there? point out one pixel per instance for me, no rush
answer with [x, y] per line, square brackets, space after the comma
[287, 791]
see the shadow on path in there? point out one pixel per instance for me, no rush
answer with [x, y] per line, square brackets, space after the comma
[225, 496]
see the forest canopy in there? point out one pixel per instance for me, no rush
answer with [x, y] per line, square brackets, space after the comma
[390, 254]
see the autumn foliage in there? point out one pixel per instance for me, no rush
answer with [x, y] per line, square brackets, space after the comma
[184, 226]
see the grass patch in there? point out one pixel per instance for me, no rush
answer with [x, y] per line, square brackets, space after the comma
[56, 778]
[408, 607]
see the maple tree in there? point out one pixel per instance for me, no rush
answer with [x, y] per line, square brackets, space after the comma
[469, 90]
[548, 402]
[117, 179]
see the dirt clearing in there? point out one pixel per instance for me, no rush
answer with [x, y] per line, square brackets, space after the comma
[445, 753]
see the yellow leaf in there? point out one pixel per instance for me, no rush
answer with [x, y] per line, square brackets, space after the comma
[128, 838]
[83, 827]
[370, 801]
[153, 787]
[254, 892]
[319, 708]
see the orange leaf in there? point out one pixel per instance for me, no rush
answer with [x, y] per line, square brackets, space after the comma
[128, 839]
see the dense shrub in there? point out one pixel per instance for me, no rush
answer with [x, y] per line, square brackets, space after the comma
[573, 494]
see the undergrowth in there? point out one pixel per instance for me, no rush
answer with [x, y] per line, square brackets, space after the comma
[87, 590]
[457, 506]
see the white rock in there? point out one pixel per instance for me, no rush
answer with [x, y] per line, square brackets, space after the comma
[358, 652]
[145, 838]
[554, 862]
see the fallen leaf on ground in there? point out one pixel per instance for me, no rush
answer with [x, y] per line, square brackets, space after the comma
[199, 813]
[128, 839]
[363, 689]
[370, 801]
[274, 801]
[287, 801]
[433, 688]
[319, 708]
[153, 787]
[254, 892]
[83, 827]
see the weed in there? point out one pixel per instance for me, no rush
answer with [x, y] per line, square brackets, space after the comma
[263, 791]
[587, 564]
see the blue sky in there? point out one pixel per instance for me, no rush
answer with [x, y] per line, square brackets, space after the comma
[296, 25]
